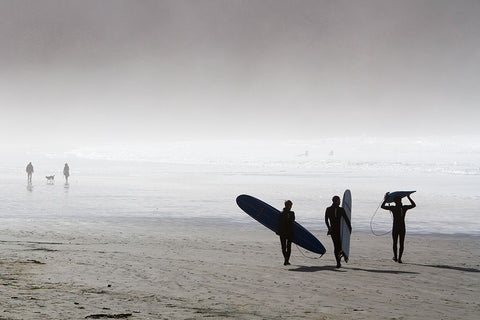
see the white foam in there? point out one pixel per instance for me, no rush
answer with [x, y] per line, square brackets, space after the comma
[202, 180]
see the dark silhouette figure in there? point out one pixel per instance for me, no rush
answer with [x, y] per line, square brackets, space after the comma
[333, 216]
[29, 170]
[66, 172]
[398, 230]
[285, 230]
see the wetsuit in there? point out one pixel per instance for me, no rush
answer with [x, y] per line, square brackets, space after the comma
[398, 230]
[285, 231]
[333, 217]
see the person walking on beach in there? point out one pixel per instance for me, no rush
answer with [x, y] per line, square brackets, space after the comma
[333, 215]
[285, 230]
[29, 170]
[398, 229]
[66, 172]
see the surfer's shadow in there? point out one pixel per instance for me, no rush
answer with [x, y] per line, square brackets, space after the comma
[450, 267]
[382, 271]
[333, 268]
[316, 269]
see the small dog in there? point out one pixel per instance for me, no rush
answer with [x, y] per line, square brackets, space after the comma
[50, 179]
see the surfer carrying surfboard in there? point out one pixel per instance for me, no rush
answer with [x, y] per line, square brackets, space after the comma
[399, 229]
[333, 215]
[285, 230]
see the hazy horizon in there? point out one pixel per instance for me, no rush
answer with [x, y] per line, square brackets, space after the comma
[82, 73]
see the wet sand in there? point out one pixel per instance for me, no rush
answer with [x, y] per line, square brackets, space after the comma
[193, 269]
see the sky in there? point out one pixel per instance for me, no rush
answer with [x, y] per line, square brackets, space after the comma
[77, 73]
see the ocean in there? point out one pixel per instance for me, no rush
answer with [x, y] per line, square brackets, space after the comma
[192, 181]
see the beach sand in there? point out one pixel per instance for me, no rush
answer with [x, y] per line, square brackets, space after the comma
[201, 269]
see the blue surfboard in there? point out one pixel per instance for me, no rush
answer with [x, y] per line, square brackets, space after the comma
[391, 196]
[269, 216]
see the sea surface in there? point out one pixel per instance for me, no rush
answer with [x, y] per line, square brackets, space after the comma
[199, 181]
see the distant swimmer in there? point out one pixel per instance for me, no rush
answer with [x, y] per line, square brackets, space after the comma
[333, 215]
[29, 170]
[398, 230]
[285, 230]
[66, 172]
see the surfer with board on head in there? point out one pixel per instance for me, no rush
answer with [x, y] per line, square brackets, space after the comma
[285, 230]
[333, 215]
[399, 229]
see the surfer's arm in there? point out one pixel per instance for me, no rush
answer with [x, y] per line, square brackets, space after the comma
[327, 223]
[412, 203]
[279, 224]
[384, 204]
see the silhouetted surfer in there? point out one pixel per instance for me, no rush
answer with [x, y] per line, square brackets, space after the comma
[29, 170]
[285, 230]
[66, 172]
[398, 230]
[333, 216]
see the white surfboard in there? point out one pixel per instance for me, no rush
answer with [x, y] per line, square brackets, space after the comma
[345, 232]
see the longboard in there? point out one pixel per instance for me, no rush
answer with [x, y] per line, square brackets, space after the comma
[344, 231]
[269, 217]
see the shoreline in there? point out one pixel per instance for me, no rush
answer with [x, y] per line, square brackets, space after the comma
[180, 271]
[198, 221]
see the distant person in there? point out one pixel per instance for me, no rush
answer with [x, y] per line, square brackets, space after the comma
[66, 172]
[333, 216]
[398, 229]
[285, 230]
[29, 170]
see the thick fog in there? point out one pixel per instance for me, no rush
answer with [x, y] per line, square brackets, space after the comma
[80, 73]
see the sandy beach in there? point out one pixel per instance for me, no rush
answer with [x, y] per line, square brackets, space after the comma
[129, 129]
[202, 269]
